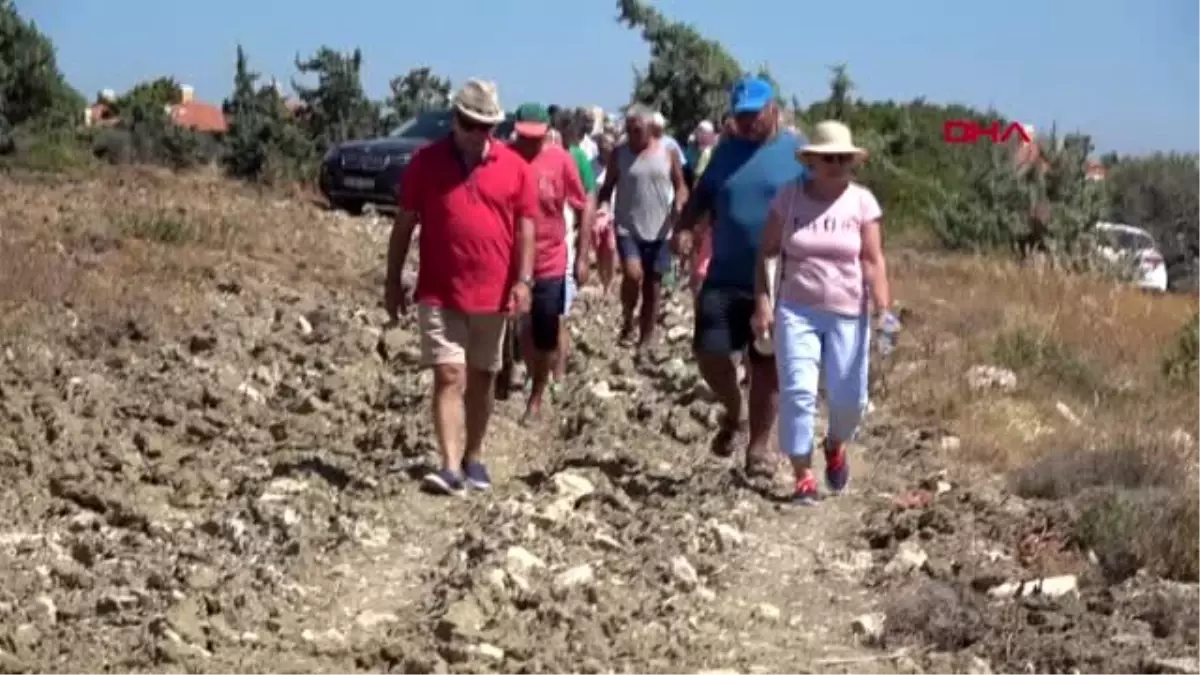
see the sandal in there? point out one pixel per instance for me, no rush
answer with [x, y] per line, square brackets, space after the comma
[758, 466]
[724, 443]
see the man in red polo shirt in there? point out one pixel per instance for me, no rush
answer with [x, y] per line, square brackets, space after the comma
[476, 200]
[558, 187]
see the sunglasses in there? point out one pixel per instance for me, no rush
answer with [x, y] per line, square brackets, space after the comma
[473, 126]
[837, 159]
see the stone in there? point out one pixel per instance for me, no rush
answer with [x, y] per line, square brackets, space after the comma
[684, 573]
[580, 575]
[489, 651]
[519, 561]
[977, 666]
[370, 619]
[1184, 664]
[463, 618]
[572, 486]
[767, 612]
[984, 377]
[1051, 587]
[869, 627]
[1068, 414]
[909, 557]
[729, 536]
[950, 443]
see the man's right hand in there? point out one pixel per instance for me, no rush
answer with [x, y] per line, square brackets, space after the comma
[681, 242]
[395, 301]
[763, 320]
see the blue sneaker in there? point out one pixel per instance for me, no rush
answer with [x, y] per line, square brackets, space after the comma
[477, 476]
[837, 468]
[444, 481]
[806, 490]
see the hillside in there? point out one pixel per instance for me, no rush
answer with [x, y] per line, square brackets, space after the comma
[210, 450]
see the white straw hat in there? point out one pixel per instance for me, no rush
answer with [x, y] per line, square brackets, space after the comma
[831, 138]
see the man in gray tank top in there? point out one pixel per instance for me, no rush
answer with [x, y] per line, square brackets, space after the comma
[650, 193]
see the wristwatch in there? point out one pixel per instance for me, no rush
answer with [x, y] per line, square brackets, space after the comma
[528, 281]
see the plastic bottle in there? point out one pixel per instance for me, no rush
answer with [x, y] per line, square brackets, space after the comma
[889, 326]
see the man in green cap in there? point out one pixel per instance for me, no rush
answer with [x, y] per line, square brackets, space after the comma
[559, 188]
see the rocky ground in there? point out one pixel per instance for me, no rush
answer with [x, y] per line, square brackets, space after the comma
[229, 483]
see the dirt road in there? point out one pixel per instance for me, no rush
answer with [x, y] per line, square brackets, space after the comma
[237, 492]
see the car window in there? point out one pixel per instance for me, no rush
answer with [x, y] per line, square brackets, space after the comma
[1125, 240]
[437, 124]
[427, 125]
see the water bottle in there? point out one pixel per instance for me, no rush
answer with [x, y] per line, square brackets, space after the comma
[671, 275]
[889, 326]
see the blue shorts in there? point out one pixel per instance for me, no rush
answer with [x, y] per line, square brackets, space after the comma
[655, 256]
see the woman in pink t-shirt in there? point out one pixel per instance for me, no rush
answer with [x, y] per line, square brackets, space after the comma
[825, 232]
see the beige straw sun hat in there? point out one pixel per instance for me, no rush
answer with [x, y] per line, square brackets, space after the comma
[479, 100]
[831, 138]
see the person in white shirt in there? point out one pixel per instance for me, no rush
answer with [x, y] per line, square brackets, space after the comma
[658, 128]
[586, 142]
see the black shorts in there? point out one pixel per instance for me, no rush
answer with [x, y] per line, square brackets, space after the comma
[723, 322]
[549, 299]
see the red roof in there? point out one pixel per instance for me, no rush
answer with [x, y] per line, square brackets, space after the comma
[199, 116]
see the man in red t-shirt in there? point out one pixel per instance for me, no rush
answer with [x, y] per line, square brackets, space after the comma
[558, 187]
[476, 200]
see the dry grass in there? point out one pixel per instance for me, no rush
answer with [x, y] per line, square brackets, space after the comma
[136, 245]
[1096, 347]
[1100, 407]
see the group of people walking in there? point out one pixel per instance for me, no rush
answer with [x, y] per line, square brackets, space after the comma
[783, 248]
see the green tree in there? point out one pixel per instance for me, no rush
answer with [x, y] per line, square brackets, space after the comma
[263, 143]
[1160, 193]
[32, 88]
[689, 76]
[1047, 201]
[337, 108]
[838, 105]
[157, 93]
[417, 91]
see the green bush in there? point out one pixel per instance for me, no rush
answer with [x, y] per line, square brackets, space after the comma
[1181, 365]
[48, 151]
[1161, 193]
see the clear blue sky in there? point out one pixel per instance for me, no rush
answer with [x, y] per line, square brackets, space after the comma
[1124, 70]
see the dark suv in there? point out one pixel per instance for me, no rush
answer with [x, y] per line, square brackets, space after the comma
[355, 173]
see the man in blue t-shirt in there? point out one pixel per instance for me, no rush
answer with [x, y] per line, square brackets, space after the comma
[735, 192]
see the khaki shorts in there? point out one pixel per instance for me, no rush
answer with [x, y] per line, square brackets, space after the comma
[450, 337]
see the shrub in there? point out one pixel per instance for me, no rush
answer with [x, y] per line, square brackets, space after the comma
[1180, 365]
[1133, 461]
[1160, 193]
[47, 150]
[1146, 528]
[1041, 353]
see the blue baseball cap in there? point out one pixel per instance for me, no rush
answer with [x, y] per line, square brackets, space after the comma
[751, 94]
